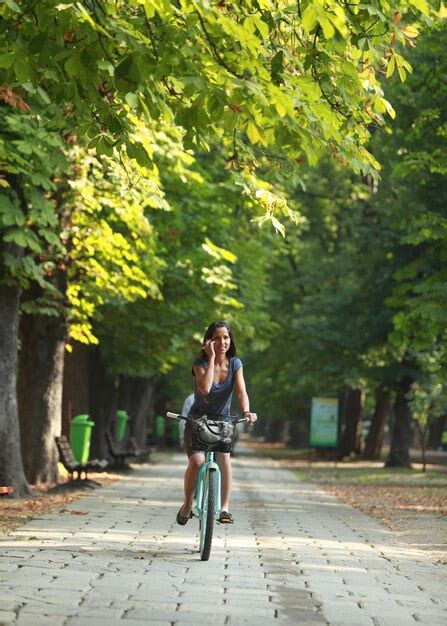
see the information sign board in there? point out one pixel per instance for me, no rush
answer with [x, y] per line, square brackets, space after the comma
[324, 423]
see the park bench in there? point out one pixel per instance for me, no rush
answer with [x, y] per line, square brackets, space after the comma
[6, 491]
[75, 467]
[119, 454]
[143, 453]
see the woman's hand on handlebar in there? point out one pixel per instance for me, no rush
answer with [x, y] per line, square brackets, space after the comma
[251, 417]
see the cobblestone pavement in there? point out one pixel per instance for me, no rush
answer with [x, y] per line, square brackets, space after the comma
[295, 555]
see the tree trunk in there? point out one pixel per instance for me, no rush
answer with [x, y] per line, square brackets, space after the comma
[274, 431]
[350, 435]
[399, 455]
[136, 397]
[41, 370]
[423, 431]
[102, 404]
[373, 445]
[435, 429]
[11, 466]
[140, 420]
[299, 430]
[75, 399]
[260, 428]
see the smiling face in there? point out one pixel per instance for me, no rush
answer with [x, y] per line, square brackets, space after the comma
[222, 340]
[222, 335]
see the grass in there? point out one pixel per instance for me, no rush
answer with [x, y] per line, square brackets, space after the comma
[353, 472]
[283, 454]
[402, 477]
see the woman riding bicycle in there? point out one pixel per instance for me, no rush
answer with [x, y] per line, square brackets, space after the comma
[217, 372]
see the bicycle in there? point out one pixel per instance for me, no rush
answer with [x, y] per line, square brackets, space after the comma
[208, 503]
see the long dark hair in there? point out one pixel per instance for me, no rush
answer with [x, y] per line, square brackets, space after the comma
[209, 333]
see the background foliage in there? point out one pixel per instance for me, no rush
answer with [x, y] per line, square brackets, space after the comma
[164, 164]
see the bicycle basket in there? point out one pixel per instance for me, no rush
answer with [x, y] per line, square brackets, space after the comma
[206, 433]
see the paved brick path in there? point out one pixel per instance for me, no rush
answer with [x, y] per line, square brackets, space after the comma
[294, 556]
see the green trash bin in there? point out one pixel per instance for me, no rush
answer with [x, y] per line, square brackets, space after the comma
[160, 427]
[121, 422]
[175, 432]
[80, 435]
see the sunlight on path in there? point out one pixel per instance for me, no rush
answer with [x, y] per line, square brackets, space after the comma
[295, 555]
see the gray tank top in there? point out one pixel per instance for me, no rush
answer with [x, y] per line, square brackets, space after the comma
[218, 401]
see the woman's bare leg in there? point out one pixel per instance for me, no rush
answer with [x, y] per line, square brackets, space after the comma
[195, 462]
[224, 462]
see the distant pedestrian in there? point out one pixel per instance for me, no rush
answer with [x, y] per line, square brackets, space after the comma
[189, 401]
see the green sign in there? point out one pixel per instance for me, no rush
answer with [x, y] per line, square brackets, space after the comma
[324, 423]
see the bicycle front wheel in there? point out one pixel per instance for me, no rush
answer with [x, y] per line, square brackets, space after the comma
[208, 513]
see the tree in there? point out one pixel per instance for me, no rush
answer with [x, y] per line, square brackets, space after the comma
[366, 273]
[428, 397]
[107, 254]
[413, 196]
[26, 219]
[214, 266]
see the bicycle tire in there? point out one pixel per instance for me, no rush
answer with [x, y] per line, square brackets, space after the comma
[207, 526]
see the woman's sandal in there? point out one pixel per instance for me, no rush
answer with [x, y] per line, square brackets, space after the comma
[225, 517]
[182, 520]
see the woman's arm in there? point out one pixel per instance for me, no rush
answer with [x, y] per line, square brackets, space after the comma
[242, 396]
[205, 377]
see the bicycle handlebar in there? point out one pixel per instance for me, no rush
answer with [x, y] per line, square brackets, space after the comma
[178, 416]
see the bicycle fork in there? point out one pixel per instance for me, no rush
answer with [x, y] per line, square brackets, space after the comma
[206, 467]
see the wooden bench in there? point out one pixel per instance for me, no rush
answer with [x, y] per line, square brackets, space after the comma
[143, 453]
[75, 467]
[6, 491]
[119, 454]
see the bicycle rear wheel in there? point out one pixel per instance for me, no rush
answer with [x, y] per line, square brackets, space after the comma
[208, 513]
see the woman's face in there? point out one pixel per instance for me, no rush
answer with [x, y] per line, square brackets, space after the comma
[222, 340]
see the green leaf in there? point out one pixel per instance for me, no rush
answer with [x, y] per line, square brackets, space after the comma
[104, 146]
[94, 142]
[43, 94]
[73, 66]
[217, 252]
[37, 43]
[49, 236]
[16, 236]
[402, 73]
[22, 69]
[390, 67]
[32, 241]
[278, 226]
[253, 132]
[327, 27]
[137, 152]
[421, 5]
[132, 99]
[7, 59]
[309, 19]
[12, 5]
[277, 66]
